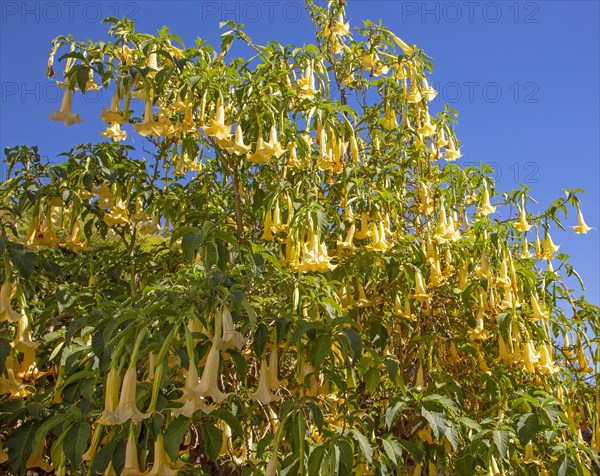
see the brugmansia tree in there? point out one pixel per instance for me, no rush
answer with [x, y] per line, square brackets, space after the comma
[297, 279]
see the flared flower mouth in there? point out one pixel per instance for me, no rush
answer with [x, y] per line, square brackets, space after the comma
[65, 114]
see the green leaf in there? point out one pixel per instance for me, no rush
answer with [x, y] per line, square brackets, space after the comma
[501, 440]
[436, 419]
[412, 449]
[564, 466]
[76, 442]
[389, 450]
[364, 444]
[261, 335]
[213, 440]
[23, 259]
[241, 364]
[20, 446]
[50, 423]
[315, 460]
[4, 351]
[527, 426]
[317, 414]
[174, 436]
[190, 242]
[319, 350]
[355, 343]
[230, 419]
[346, 456]
[392, 413]
[103, 457]
[443, 401]
[372, 379]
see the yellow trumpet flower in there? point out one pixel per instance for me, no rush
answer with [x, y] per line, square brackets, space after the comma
[191, 401]
[340, 28]
[581, 228]
[408, 50]
[486, 207]
[23, 338]
[209, 383]
[530, 357]
[452, 153]
[149, 126]
[112, 115]
[420, 293]
[114, 133]
[546, 362]
[538, 313]
[65, 114]
[131, 466]
[549, 247]
[389, 119]
[7, 292]
[347, 243]
[238, 146]
[231, 338]
[163, 465]
[428, 92]
[127, 407]
[428, 129]
[272, 377]
[522, 225]
[263, 394]
[503, 353]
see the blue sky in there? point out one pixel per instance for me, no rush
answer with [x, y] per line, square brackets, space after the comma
[523, 75]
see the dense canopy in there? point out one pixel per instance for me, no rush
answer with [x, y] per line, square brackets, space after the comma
[292, 275]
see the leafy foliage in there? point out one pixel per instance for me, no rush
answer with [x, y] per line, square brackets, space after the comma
[321, 290]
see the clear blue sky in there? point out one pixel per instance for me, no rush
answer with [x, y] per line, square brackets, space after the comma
[524, 77]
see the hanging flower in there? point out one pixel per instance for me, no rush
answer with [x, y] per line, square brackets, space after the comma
[549, 247]
[538, 313]
[306, 85]
[237, 146]
[7, 292]
[522, 225]
[581, 228]
[408, 50]
[231, 338]
[263, 394]
[65, 114]
[208, 386]
[23, 338]
[127, 407]
[216, 125]
[347, 243]
[340, 28]
[163, 465]
[114, 132]
[420, 293]
[486, 207]
[91, 84]
[149, 126]
[131, 466]
[427, 91]
[192, 402]
[452, 153]
[272, 377]
[113, 115]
